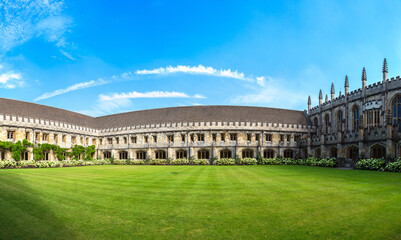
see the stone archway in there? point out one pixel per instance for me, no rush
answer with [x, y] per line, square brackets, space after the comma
[377, 151]
[353, 152]
[333, 152]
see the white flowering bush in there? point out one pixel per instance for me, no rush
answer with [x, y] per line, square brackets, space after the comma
[377, 164]
[247, 161]
[181, 161]
[138, 162]
[158, 162]
[8, 164]
[271, 161]
[394, 166]
[200, 162]
[224, 161]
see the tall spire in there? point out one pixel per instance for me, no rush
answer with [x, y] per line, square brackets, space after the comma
[327, 98]
[332, 91]
[385, 70]
[346, 85]
[364, 78]
[309, 104]
[339, 94]
[320, 97]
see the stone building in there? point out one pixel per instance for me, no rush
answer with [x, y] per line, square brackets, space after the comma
[358, 124]
[361, 123]
[204, 132]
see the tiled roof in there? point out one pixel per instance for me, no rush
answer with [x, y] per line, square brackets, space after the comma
[153, 116]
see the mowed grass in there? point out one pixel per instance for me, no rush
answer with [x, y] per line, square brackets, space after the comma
[199, 202]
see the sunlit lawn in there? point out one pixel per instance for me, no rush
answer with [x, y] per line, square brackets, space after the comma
[199, 202]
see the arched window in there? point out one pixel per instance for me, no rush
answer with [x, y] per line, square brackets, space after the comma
[326, 123]
[123, 155]
[288, 153]
[318, 153]
[247, 153]
[25, 155]
[397, 111]
[353, 152]
[203, 154]
[333, 152]
[180, 154]
[107, 155]
[141, 155]
[160, 154]
[316, 122]
[225, 154]
[377, 151]
[355, 118]
[339, 120]
[268, 153]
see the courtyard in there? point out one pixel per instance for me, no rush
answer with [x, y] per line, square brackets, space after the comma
[199, 202]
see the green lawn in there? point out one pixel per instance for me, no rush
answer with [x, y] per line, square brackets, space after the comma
[199, 202]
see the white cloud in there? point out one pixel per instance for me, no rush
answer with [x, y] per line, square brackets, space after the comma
[11, 80]
[108, 104]
[274, 93]
[260, 81]
[74, 87]
[201, 70]
[67, 55]
[5, 77]
[22, 20]
[106, 107]
[154, 94]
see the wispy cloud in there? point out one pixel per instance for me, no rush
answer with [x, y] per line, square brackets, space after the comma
[108, 104]
[67, 55]
[160, 71]
[154, 94]
[201, 70]
[22, 20]
[74, 87]
[272, 94]
[10, 80]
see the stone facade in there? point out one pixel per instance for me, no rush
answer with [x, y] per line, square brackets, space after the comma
[359, 124]
[202, 140]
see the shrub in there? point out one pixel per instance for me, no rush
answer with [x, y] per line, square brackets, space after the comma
[224, 161]
[327, 162]
[101, 162]
[394, 166]
[289, 161]
[247, 161]
[181, 161]
[158, 162]
[271, 161]
[199, 162]
[28, 164]
[120, 162]
[8, 164]
[377, 164]
[138, 162]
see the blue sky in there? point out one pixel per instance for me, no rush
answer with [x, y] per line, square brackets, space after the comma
[103, 57]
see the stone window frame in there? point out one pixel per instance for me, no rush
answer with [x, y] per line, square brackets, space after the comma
[247, 153]
[140, 155]
[225, 153]
[181, 154]
[203, 154]
[160, 154]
